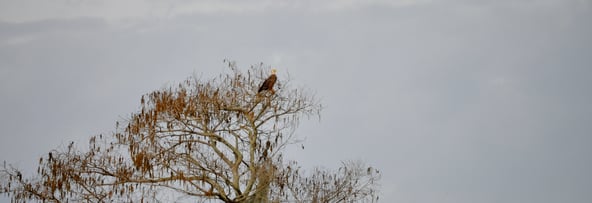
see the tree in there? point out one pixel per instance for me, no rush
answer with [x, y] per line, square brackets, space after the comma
[207, 140]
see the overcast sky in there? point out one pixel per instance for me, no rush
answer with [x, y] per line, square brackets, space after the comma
[457, 101]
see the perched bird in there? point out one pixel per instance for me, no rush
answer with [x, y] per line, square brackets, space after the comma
[269, 82]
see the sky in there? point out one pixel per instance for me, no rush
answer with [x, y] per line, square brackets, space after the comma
[455, 101]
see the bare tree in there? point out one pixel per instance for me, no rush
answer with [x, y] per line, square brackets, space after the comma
[219, 139]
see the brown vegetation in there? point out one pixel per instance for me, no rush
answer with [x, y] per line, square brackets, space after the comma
[218, 139]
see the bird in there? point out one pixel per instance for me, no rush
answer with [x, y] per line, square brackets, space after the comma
[269, 82]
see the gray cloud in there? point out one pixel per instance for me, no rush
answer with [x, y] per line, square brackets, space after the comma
[460, 101]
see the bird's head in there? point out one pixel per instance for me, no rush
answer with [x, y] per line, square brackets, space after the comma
[273, 71]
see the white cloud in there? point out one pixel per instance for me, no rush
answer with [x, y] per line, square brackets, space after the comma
[34, 10]
[17, 40]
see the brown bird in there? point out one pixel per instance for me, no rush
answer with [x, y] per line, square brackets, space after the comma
[269, 82]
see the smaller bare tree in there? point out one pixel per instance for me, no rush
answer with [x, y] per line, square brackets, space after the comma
[354, 181]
